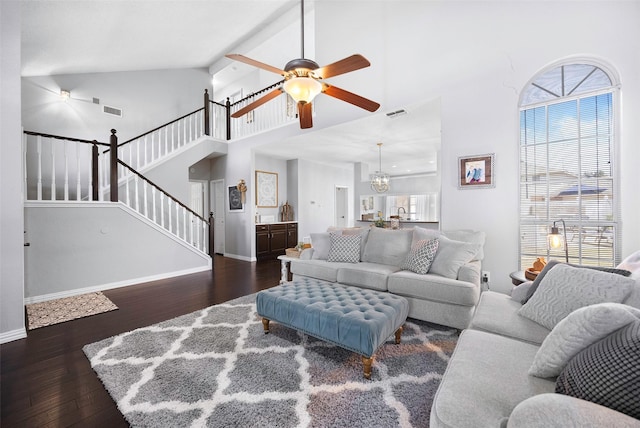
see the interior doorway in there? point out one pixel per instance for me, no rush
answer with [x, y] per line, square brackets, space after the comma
[217, 208]
[342, 206]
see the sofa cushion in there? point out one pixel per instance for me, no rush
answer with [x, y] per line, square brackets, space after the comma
[485, 380]
[388, 247]
[421, 255]
[320, 269]
[433, 287]
[553, 263]
[366, 275]
[451, 255]
[321, 242]
[581, 328]
[344, 248]
[498, 313]
[421, 234]
[607, 372]
[566, 288]
[470, 236]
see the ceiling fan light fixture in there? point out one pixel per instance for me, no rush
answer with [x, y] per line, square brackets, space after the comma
[380, 180]
[302, 89]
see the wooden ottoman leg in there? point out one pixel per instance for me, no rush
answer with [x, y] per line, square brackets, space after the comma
[265, 325]
[398, 334]
[366, 363]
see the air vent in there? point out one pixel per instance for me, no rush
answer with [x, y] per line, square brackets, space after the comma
[396, 113]
[112, 110]
[96, 100]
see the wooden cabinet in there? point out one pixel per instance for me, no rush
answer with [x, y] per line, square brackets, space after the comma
[273, 239]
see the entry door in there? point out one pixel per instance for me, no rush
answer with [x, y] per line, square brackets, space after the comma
[217, 207]
[342, 201]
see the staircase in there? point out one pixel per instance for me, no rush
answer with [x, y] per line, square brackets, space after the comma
[78, 195]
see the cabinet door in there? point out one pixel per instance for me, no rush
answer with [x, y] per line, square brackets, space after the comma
[262, 241]
[278, 239]
[292, 235]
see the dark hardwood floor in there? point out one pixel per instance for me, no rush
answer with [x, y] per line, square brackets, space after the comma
[46, 380]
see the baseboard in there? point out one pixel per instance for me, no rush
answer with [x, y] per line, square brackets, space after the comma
[109, 286]
[243, 258]
[12, 335]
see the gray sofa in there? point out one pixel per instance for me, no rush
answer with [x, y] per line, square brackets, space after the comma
[446, 295]
[488, 381]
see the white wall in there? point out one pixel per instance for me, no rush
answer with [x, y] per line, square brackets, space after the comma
[477, 57]
[316, 195]
[75, 249]
[279, 166]
[12, 324]
[148, 99]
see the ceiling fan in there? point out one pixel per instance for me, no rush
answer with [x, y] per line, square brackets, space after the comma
[304, 80]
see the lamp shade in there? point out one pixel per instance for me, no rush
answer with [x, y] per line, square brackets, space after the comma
[302, 89]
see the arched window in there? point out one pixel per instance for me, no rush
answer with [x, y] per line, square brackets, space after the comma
[567, 165]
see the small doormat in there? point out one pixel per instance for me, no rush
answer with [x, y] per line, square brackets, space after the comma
[67, 309]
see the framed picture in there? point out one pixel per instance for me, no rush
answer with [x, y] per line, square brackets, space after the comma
[235, 200]
[266, 189]
[476, 171]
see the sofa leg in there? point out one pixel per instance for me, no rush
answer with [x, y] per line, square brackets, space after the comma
[265, 325]
[366, 365]
[398, 335]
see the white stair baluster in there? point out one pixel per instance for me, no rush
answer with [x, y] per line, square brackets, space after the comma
[153, 203]
[53, 172]
[144, 144]
[191, 228]
[173, 142]
[137, 196]
[184, 225]
[162, 209]
[166, 140]
[144, 188]
[169, 201]
[184, 132]
[126, 186]
[39, 153]
[78, 179]
[153, 149]
[66, 169]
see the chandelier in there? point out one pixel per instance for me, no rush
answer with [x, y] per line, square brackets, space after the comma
[380, 180]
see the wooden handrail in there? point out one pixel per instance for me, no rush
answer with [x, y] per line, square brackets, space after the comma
[58, 137]
[162, 190]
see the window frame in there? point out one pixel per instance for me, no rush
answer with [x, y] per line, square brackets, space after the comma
[614, 90]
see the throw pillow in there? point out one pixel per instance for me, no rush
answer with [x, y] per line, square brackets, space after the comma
[344, 248]
[607, 372]
[421, 255]
[565, 289]
[387, 246]
[450, 257]
[470, 236]
[422, 234]
[519, 292]
[552, 263]
[364, 235]
[321, 242]
[580, 329]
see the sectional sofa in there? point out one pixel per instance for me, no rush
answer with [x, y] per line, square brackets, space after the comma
[447, 294]
[575, 330]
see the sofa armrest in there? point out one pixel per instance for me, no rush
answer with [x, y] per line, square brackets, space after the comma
[306, 254]
[557, 410]
[470, 272]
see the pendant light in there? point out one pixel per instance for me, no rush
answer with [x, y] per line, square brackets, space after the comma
[380, 180]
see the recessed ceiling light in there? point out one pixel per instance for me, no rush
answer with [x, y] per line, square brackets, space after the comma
[393, 166]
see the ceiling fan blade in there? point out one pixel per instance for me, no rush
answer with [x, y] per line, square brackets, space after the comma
[354, 62]
[350, 97]
[253, 62]
[257, 103]
[305, 111]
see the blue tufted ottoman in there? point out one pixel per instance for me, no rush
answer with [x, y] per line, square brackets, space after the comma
[353, 318]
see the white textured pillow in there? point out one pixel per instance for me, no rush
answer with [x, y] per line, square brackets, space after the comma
[580, 329]
[421, 256]
[450, 257]
[422, 234]
[321, 242]
[470, 236]
[344, 248]
[566, 288]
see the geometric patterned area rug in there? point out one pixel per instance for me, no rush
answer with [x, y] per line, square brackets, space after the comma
[216, 368]
[67, 309]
